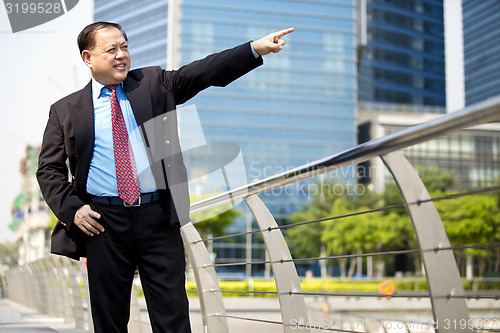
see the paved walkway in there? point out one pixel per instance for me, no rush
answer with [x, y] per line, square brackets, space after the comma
[15, 318]
[241, 311]
[260, 308]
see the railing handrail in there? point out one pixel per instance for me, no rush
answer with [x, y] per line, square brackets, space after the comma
[480, 113]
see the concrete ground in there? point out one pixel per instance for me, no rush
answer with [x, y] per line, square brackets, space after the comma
[323, 312]
[15, 318]
[252, 308]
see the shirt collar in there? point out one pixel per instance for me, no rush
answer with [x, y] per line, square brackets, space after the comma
[97, 87]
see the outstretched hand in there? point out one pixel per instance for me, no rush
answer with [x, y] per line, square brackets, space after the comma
[271, 43]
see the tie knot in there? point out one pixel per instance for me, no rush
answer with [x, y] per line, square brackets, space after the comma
[111, 87]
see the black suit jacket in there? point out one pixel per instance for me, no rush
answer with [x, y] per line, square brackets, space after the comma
[153, 95]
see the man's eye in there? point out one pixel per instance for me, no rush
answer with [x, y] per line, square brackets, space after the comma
[111, 50]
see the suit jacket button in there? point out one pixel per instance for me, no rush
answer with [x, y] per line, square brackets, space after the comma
[165, 119]
[167, 142]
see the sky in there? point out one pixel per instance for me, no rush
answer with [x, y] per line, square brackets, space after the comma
[42, 65]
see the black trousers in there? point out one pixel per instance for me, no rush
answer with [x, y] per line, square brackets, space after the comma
[137, 237]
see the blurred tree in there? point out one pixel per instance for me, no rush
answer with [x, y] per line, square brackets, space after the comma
[365, 233]
[9, 254]
[214, 221]
[472, 219]
[436, 180]
[305, 240]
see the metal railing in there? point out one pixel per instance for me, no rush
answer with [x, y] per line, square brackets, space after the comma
[53, 285]
[58, 286]
[445, 291]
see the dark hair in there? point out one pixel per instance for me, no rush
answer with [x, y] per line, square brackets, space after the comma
[86, 38]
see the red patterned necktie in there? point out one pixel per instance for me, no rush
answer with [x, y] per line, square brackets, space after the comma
[126, 171]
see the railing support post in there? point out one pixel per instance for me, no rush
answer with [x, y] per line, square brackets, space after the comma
[211, 302]
[443, 277]
[292, 306]
[65, 286]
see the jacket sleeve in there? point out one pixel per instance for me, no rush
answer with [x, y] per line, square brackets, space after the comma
[218, 69]
[53, 175]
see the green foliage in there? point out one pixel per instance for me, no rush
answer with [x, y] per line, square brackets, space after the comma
[472, 219]
[214, 221]
[377, 231]
[268, 288]
[436, 180]
[9, 254]
[216, 225]
[339, 285]
[371, 232]
[481, 284]
[305, 240]
[392, 197]
[240, 288]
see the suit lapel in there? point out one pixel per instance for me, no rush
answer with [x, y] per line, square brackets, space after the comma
[82, 121]
[139, 96]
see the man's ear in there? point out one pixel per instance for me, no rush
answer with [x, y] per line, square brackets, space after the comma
[87, 58]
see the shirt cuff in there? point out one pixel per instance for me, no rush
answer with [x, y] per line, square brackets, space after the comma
[255, 54]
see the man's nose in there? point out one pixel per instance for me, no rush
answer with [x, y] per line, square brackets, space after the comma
[120, 53]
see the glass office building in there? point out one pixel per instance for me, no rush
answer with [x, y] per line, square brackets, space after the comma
[145, 23]
[481, 29]
[298, 107]
[471, 156]
[402, 61]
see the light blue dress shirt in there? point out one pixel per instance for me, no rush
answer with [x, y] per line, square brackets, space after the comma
[102, 173]
[101, 180]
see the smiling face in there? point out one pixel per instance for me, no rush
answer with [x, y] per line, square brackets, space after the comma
[109, 59]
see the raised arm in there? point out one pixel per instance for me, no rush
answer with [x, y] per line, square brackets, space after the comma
[220, 69]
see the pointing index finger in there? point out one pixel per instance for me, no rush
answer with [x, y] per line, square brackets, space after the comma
[284, 32]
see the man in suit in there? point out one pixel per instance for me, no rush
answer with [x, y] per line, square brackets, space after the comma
[124, 202]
